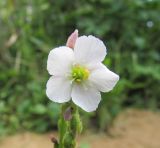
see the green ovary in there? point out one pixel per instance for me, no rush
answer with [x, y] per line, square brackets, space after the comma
[79, 73]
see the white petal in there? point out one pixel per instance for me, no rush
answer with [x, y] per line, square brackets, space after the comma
[89, 49]
[60, 60]
[86, 98]
[103, 79]
[58, 89]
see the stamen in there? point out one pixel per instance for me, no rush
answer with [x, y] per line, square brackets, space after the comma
[79, 73]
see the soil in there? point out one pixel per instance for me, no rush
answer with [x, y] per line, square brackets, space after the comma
[131, 129]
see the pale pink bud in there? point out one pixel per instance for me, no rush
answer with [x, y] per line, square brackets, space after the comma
[72, 39]
[68, 114]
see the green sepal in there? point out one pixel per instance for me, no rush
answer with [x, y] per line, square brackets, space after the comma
[69, 140]
[76, 123]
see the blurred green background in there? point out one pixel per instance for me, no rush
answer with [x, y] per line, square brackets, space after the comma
[29, 29]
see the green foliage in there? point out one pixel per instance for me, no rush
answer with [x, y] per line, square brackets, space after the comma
[30, 29]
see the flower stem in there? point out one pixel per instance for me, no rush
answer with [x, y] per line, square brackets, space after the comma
[69, 125]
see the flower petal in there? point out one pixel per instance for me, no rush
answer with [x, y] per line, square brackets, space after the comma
[89, 49]
[58, 89]
[103, 79]
[86, 98]
[60, 60]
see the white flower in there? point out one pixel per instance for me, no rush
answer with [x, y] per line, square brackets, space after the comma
[78, 74]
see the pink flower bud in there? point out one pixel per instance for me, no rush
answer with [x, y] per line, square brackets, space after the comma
[68, 114]
[72, 39]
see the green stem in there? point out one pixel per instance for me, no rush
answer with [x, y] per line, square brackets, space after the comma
[68, 129]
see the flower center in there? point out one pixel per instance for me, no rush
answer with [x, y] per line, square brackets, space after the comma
[79, 73]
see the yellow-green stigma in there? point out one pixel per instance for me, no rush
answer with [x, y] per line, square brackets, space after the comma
[79, 73]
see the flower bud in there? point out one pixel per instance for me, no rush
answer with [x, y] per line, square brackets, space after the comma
[68, 114]
[69, 140]
[72, 39]
[54, 140]
[76, 124]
